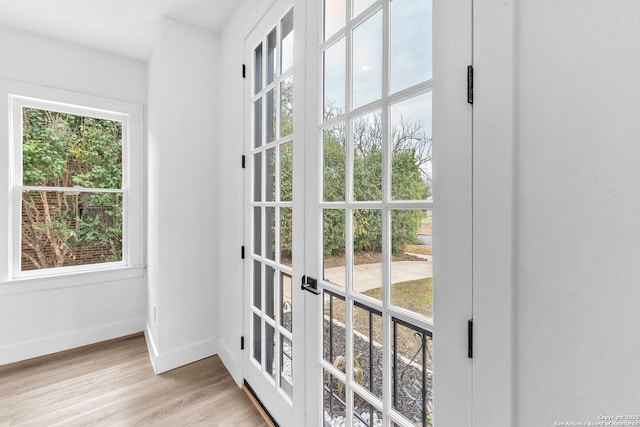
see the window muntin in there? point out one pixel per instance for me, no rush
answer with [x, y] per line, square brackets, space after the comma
[70, 188]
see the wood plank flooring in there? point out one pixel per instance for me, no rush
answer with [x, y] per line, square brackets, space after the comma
[113, 384]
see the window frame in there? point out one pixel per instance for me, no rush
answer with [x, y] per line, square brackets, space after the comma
[21, 96]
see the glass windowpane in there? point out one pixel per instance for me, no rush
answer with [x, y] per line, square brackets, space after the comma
[287, 41]
[257, 177]
[257, 285]
[334, 16]
[270, 175]
[286, 367]
[286, 171]
[333, 170]
[412, 262]
[367, 252]
[334, 400]
[257, 66]
[411, 174]
[412, 376]
[367, 61]
[257, 123]
[257, 338]
[367, 158]
[270, 233]
[333, 330]
[286, 107]
[269, 350]
[334, 262]
[286, 236]
[257, 230]
[272, 45]
[367, 349]
[411, 43]
[286, 314]
[269, 291]
[334, 79]
[66, 150]
[360, 6]
[271, 116]
[62, 229]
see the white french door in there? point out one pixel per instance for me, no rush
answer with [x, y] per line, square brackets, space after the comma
[272, 322]
[368, 203]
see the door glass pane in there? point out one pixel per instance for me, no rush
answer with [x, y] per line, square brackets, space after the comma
[257, 67]
[334, 79]
[411, 147]
[269, 291]
[286, 235]
[257, 230]
[257, 123]
[411, 43]
[269, 350]
[257, 285]
[412, 376]
[271, 116]
[270, 175]
[360, 5]
[367, 348]
[286, 314]
[334, 263]
[367, 252]
[257, 177]
[270, 233]
[257, 338]
[286, 37]
[286, 107]
[412, 262]
[272, 45]
[333, 170]
[286, 368]
[367, 157]
[365, 414]
[367, 61]
[334, 16]
[334, 400]
[333, 331]
[286, 171]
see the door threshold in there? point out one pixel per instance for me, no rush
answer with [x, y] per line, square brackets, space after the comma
[266, 416]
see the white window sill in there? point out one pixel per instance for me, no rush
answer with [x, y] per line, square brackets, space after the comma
[69, 280]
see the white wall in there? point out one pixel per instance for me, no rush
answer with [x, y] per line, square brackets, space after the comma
[577, 210]
[183, 183]
[36, 322]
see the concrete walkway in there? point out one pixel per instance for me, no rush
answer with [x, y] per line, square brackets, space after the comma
[369, 276]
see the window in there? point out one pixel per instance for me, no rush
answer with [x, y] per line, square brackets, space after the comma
[76, 184]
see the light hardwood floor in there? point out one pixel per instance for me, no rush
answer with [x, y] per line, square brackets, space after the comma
[113, 384]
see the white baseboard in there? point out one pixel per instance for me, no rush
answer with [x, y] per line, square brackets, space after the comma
[163, 362]
[67, 341]
[230, 362]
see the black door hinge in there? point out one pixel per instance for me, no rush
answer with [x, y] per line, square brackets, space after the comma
[244, 162]
[242, 252]
[470, 339]
[244, 71]
[241, 343]
[470, 84]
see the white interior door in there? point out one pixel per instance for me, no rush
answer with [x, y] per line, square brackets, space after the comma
[271, 311]
[388, 212]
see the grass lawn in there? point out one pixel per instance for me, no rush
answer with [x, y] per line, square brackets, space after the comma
[414, 295]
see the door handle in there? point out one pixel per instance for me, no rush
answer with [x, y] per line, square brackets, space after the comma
[310, 284]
